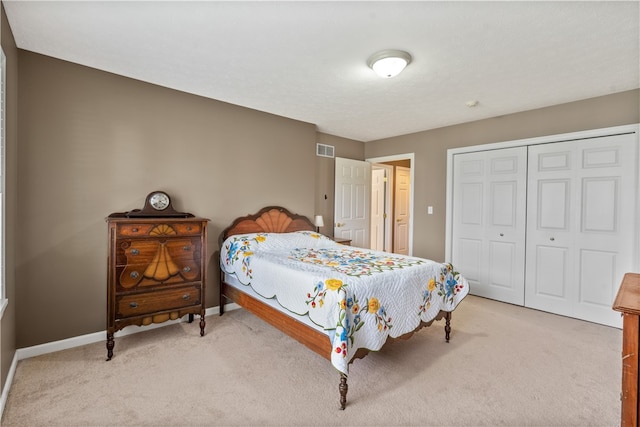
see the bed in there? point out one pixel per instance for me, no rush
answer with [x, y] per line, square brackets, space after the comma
[339, 301]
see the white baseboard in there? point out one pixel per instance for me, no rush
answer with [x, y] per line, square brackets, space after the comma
[7, 384]
[51, 347]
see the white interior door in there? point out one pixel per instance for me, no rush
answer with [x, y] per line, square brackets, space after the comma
[489, 214]
[402, 210]
[352, 201]
[581, 228]
[378, 216]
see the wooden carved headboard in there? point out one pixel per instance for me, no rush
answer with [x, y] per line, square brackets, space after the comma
[272, 219]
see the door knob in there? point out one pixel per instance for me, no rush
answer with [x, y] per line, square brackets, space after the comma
[552, 239]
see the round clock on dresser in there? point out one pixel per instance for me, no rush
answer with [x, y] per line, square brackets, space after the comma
[157, 204]
[159, 200]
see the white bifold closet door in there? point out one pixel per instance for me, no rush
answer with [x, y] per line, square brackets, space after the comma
[581, 228]
[489, 211]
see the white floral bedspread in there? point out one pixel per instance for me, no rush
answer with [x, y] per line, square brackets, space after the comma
[359, 295]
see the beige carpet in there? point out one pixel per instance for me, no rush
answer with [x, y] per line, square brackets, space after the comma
[505, 365]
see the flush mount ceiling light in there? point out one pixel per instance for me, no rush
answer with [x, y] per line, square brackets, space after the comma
[389, 63]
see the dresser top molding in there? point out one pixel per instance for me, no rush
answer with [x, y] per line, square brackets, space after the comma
[628, 298]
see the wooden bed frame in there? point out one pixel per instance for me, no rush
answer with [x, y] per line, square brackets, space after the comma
[276, 219]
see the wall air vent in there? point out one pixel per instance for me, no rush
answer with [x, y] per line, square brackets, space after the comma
[324, 150]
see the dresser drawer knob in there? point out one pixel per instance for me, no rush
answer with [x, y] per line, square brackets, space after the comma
[133, 304]
[134, 274]
[186, 269]
[135, 251]
[186, 248]
[189, 228]
[186, 297]
[135, 230]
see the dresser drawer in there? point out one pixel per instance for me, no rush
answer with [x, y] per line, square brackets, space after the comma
[133, 230]
[147, 251]
[159, 230]
[150, 302]
[154, 274]
[188, 228]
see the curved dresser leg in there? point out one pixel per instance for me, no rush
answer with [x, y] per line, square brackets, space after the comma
[202, 323]
[110, 344]
[343, 387]
[447, 326]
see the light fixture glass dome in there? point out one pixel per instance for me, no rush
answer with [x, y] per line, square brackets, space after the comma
[389, 63]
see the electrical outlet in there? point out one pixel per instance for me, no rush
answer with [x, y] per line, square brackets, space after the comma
[429, 210]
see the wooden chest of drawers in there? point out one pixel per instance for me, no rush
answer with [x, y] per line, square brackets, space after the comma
[156, 271]
[628, 303]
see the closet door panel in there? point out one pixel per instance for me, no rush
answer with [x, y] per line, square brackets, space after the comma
[606, 239]
[549, 257]
[470, 260]
[553, 205]
[471, 203]
[468, 249]
[551, 272]
[600, 202]
[559, 159]
[502, 260]
[489, 208]
[597, 269]
[582, 197]
[503, 208]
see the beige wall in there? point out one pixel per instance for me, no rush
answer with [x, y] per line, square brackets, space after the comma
[8, 326]
[431, 147]
[93, 143]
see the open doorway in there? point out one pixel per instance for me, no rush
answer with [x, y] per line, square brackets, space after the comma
[353, 209]
[392, 203]
[381, 207]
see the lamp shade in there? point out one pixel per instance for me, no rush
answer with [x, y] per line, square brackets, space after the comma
[318, 221]
[389, 63]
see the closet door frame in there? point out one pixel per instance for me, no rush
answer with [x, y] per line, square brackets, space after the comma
[594, 133]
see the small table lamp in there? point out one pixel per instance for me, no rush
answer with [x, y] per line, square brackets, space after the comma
[318, 222]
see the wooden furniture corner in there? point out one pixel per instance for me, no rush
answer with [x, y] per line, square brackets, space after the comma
[628, 303]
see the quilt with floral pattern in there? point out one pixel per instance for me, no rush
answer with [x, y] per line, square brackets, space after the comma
[359, 296]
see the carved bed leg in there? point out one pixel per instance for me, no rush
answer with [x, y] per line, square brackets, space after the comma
[447, 326]
[202, 323]
[110, 344]
[343, 387]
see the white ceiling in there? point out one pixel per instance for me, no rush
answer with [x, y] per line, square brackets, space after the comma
[307, 60]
